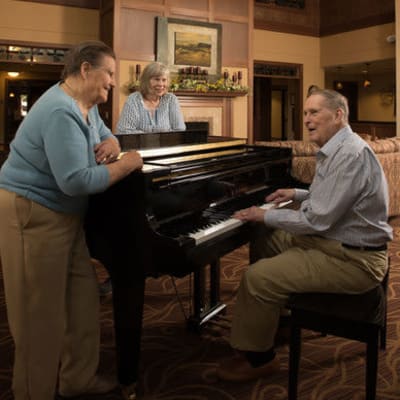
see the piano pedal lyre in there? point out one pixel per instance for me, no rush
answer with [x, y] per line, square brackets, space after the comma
[206, 311]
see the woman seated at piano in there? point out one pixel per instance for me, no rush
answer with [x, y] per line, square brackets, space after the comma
[152, 108]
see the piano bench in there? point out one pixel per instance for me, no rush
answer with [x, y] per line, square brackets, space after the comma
[360, 317]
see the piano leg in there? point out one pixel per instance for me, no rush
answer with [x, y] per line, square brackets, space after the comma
[199, 301]
[128, 301]
[215, 268]
[203, 310]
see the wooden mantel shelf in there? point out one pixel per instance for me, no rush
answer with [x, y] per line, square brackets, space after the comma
[210, 93]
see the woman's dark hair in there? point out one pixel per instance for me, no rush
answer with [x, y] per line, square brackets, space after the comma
[91, 52]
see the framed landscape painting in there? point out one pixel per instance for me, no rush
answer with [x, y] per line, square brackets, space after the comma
[183, 43]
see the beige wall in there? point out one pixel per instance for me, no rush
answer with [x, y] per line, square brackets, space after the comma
[35, 22]
[297, 49]
[346, 48]
[357, 46]
[375, 103]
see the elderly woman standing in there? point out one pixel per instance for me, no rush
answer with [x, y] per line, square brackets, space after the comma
[62, 152]
[152, 108]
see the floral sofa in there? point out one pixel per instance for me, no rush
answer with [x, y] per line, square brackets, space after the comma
[387, 151]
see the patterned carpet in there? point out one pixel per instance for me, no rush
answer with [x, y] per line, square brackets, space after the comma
[179, 365]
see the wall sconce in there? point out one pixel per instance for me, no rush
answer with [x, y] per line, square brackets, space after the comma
[366, 82]
[13, 74]
[387, 97]
[339, 85]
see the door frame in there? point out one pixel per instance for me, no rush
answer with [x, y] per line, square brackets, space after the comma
[283, 71]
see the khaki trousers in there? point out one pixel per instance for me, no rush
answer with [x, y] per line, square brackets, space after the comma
[288, 264]
[51, 296]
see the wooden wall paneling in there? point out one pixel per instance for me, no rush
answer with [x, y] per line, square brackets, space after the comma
[227, 120]
[188, 4]
[343, 15]
[287, 19]
[250, 63]
[107, 24]
[232, 8]
[187, 13]
[138, 34]
[144, 4]
[235, 44]
[94, 4]
[107, 35]
[117, 48]
[231, 18]
[106, 5]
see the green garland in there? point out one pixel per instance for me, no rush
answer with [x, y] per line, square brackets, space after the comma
[221, 85]
[200, 86]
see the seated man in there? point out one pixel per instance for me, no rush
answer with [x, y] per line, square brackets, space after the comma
[335, 242]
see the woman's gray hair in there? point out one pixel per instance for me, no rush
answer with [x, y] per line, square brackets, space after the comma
[91, 52]
[152, 70]
[333, 100]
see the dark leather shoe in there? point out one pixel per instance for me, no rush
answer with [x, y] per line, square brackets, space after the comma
[238, 369]
[129, 392]
[98, 385]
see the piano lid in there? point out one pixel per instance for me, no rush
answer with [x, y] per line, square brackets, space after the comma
[177, 144]
[151, 140]
[180, 150]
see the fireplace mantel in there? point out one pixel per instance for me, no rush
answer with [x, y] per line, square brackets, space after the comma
[210, 93]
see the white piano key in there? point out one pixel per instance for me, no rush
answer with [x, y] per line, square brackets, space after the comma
[219, 228]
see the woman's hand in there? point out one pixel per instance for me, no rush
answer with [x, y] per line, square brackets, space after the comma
[128, 162]
[107, 151]
[132, 160]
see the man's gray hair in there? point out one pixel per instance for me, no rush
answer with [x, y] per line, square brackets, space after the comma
[333, 100]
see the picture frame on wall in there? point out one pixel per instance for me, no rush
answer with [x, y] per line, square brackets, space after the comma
[184, 43]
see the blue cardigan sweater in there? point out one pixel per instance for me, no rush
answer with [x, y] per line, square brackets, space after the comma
[52, 159]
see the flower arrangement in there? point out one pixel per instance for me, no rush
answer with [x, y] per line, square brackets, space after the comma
[202, 86]
[196, 80]
[132, 86]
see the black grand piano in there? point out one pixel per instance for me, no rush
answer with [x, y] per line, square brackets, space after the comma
[174, 217]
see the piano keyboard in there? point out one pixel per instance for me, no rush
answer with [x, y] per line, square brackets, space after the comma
[203, 235]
